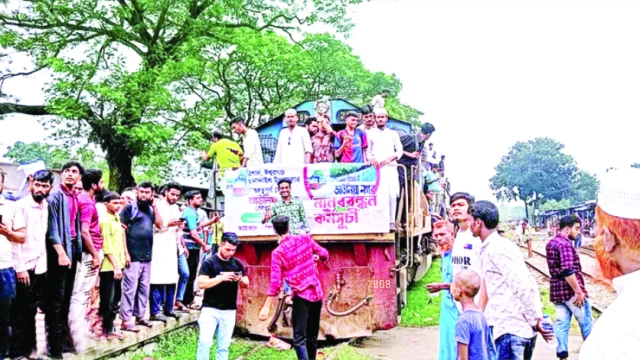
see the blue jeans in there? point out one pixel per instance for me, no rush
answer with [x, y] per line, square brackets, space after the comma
[162, 296]
[511, 347]
[7, 294]
[563, 324]
[215, 322]
[183, 270]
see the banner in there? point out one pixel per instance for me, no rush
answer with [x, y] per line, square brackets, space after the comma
[337, 198]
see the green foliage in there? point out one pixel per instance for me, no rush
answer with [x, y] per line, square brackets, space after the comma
[538, 171]
[511, 212]
[422, 309]
[556, 205]
[147, 80]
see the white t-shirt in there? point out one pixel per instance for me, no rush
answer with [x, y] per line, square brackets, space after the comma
[15, 220]
[377, 102]
[252, 148]
[292, 146]
[465, 255]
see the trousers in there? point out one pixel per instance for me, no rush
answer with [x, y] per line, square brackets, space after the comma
[135, 290]
[162, 297]
[7, 296]
[23, 315]
[193, 260]
[306, 325]
[110, 295]
[59, 287]
[216, 322]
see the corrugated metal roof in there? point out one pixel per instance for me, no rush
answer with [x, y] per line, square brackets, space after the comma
[13, 178]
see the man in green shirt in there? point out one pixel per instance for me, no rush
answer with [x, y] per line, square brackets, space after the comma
[227, 152]
[289, 206]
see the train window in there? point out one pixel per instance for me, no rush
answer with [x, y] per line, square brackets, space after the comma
[269, 145]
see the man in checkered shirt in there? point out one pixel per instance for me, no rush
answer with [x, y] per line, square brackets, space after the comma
[567, 290]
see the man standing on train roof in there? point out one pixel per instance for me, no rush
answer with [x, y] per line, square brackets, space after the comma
[387, 152]
[616, 335]
[351, 143]
[371, 129]
[252, 154]
[465, 253]
[378, 101]
[227, 152]
[322, 136]
[289, 206]
[294, 261]
[294, 143]
[567, 290]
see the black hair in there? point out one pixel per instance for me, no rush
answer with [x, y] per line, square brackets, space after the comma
[43, 176]
[237, 119]
[110, 196]
[352, 114]
[427, 128]
[230, 238]
[280, 224]
[569, 221]
[217, 134]
[146, 185]
[462, 195]
[91, 177]
[129, 189]
[487, 212]
[284, 181]
[310, 120]
[366, 110]
[71, 164]
[191, 194]
[173, 185]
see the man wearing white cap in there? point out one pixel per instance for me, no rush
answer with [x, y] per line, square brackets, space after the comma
[616, 334]
[387, 151]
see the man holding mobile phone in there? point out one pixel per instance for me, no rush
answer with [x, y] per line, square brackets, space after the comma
[219, 278]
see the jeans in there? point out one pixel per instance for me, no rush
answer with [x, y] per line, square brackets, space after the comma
[183, 270]
[511, 347]
[215, 322]
[162, 297]
[59, 287]
[110, 294]
[563, 324]
[23, 315]
[7, 295]
[193, 260]
[306, 325]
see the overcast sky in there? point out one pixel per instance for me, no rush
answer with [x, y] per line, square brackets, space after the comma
[490, 73]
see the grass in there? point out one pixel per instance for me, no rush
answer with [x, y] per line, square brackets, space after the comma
[183, 343]
[423, 310]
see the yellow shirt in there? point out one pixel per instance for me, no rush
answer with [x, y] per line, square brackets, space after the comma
[113, 244]
[227, 153]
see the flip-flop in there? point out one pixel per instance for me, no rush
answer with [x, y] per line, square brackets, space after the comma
[130, 328]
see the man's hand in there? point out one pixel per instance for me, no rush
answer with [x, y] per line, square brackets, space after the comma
[203, 154]
[414, 155]
[377, 164]
[547, 335]
[117, 273]
[175, 222]
[264, 313]
[206, 248]
[267, 216]
[216, 217]
[23, 278]
[227, 276]
[63, 260]
[186, 253]
[127, 260]
[316, 257]
[436, 287]
[579, 299]
[96, 261]
[4, 229]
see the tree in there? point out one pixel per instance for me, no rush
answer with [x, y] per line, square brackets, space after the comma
[584, 187]
[636, 165]
[123, 92]
[533, 172]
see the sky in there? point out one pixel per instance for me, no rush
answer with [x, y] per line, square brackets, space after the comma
[488, 74]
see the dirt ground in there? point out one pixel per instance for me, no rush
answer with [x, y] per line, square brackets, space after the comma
[422, 344]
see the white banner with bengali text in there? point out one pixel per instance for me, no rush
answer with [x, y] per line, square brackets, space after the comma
[338, 198]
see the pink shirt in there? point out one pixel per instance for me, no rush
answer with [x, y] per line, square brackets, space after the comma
[293, 261]
[89, 215]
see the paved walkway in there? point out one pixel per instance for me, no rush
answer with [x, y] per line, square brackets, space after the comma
[422, 344]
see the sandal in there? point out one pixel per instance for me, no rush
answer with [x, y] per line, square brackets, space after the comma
[194, 306]
[144, 322]
[130, 328]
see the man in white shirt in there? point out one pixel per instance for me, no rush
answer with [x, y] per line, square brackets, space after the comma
[30, 264]
[616, 335]
[250, 143]
[430, 156]
[294, 143]
[378, 101]
[513, 307]
[387, 152]
[371, 129]
[12, 231]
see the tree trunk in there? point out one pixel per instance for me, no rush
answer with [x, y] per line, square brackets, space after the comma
[120, 169]
[526, 209]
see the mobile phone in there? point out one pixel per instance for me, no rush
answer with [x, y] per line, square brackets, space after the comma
[0, 218]
[238, 273]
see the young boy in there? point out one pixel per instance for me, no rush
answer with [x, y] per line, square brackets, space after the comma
[115, 260]
[472, 332]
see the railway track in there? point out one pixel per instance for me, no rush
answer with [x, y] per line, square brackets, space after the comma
[544, 255]
[544, 273]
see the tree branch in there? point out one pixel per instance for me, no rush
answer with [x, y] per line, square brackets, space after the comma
[35, 110]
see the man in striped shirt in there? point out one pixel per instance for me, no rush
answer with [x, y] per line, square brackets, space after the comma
[294, 260]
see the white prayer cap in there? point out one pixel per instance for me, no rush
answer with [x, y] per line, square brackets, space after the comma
[380, 111]
[619, 194]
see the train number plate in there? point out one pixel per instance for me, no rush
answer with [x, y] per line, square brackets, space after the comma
[382, 284]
